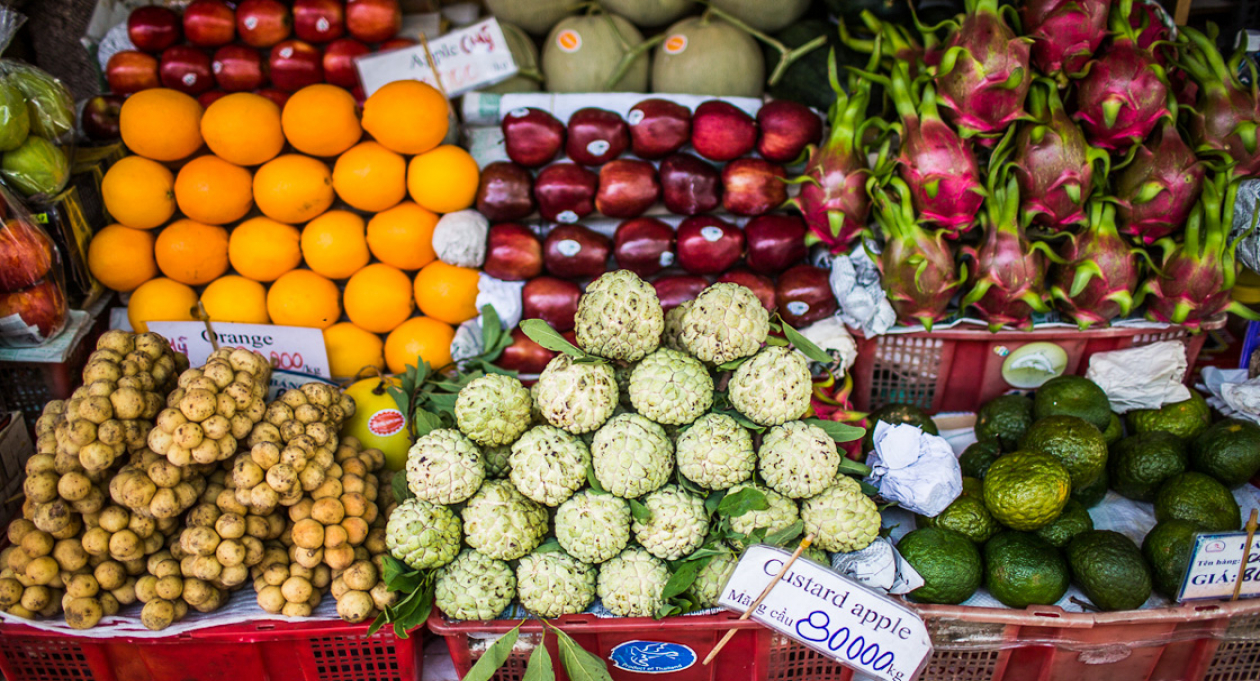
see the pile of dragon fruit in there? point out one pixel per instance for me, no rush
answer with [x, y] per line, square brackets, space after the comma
[1071, 154]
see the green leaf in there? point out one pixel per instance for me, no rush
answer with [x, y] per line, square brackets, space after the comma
[777, 341]
[733, 364]
[495, 656]
[398, 484]
[426, 421]
[640, 512]
[805, 345]
[837, 431]
[541, 333]
[550, 546]
[593, 481]
[684, 577]
[850, 467]
[540, 667]
[786, 534]
[745, 421]
[491, 327]
[444, 401]
[714, 501]
[578, 663]
[868, 489]
[402, 399]
[743, 501]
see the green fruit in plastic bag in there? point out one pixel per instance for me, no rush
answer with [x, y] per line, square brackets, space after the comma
[36, 167]
[50, 106]
[15, 121]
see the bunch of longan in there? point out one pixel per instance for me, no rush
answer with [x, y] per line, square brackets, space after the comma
[360, 589]
[154, 487]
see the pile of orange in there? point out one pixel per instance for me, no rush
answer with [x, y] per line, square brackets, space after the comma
[317, 215]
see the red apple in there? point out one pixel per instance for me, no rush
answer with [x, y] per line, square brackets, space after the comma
[627, 188]
[505, 192]
[25, 255]
[644, 246]
[596, 136]
[238, 68]
[804, 295]
[294, 64]
[513, 252]
[277, 96]
[399, 43]
[658, 128]
[205, 99]
[787, 127]
[209, 23]
[373, 21]
[752, 186]
[575, 252]
[775, 242]
[153, 28]
[263, 23]
[708, 245]
[721, 131]
[690, 186]
[532, 137]
[186, 69]
[524, 356]
[40, 309]
[552, 300]
[100, 117]
[318, 21]
[759, 284]
[339, 61]
[131, 71]
[678, 289]
[565, 192]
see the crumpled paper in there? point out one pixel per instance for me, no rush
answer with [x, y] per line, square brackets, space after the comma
[878, 566]
[856, 284]
[503, 296]
[833, 337]
[1233, 394]
[1146, 377]
[915, 469]
[1248, 252]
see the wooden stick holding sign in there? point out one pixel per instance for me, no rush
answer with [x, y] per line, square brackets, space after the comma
[757, 603]
[200, 313]
[1242, 569]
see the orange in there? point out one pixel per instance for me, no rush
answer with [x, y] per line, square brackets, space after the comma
[419, 338]
[351, 349]
[321, 120]
[293, 188]
[333, 244]
[139, 193]
[121, 258]
[161, 124]
[370, 177]
[378, 298]
[211, 190]
[443, 180]
[407, 116]
[402, 236]
[243, 128]
[303, 298]
[447, 292]
[236, 299]
[160, 300]
[191, 252]
[263, 249]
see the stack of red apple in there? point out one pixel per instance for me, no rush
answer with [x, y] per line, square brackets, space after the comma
[32, 301]
[263, 46]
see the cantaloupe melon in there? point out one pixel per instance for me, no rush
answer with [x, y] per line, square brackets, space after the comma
[525, 54]
[707, 56]
[649, 13]
[535, 16]
[763, 15]
[583, 52]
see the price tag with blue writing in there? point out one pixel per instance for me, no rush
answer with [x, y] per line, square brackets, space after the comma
[293, 351]
[846, 621]
[1213, 568]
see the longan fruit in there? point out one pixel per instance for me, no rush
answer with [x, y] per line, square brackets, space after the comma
[355, 606]
[110, 575]
[360, 576]
[36, 598]
[82, 586]
[157, 614]
[125, 594]
[169, 587]
[335, 536]
[328, 511]
[37, 544]
[308, 534]
[339, 558]
[42, 570]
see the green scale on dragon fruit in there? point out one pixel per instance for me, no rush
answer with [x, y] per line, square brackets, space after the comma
[1227, 113]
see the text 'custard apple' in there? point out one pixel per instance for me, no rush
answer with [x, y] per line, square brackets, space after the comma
[501, 523]
[493, 409]
[671, 387]
[553, 583]
[631, 456]
[725, 322]
[593, 527]
[444, 467]
[620, 317]
[798, 459]
[575, 396]
[548, 465]
[678, 524]
[474, 587]
[841, 518]
[716, 452]
[422, 535]
[773, 387]
[633, 584]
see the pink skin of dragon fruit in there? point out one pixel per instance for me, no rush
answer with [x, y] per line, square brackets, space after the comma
[1065, 33]
[1099, 274]
[1159, 187]
[983, 75]
[918, 269]
[1228, 112]
[1054, 163]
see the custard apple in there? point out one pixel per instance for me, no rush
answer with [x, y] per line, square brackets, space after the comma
[707, 588]
[773, 387]
[553, 583]
[842, 518]
[493, 409]
[716, 452]
[422, 535]
[671, 337]
[780, 513]
[622, 372]
[817, 555]
[632, 456]
[444, 467]
[593, 527]
[501, 523]
[725, 322]
[633, 583]
[474, 587]
[671, 387]
[576, 396]
[496, 460]
[619, 317]
[549, 465]
[798, 459]
[678, 525]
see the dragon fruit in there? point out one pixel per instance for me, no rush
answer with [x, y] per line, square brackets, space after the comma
[1227, 114]
[1099, 274]
[918, 268]
[1054, 163]
[1159, 187]
[1065, 33]
[983, 75]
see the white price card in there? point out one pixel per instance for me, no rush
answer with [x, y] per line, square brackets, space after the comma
[818, 607]
[472, 57]
[293, 351]
[1213, 568]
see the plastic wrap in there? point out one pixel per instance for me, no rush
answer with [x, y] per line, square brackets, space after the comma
[32, 292]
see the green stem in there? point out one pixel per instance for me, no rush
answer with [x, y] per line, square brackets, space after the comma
[627, 60]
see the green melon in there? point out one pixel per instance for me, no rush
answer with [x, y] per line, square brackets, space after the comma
[708, 56]
[535, 16]
[37, 168]
[649, 13]
[525, 54]
[586, 64]
[762, 15]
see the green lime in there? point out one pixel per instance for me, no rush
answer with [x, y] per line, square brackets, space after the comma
[1140, 463]
[1228, 451]
[977, 457]
[1110, 569]
[967, 515]
[1073, 396]
[1004, 419]
[1021, 569]
[1185, 419]
[1094, 493]
[949, 563]
[1114, 431]
[1072, 440]
[1026, 490]
[1074, 520]
[1168, 547]
[1199, 498]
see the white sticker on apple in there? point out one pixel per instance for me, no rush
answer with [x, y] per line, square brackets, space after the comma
[322, 24]
[635, 117]
[798, 307]
[286, 52]
[598, 147]
[667, 258]
[251, 23]
[568, 217]
[711, 233]
[189, 79]
[569, 247]
[519, 112]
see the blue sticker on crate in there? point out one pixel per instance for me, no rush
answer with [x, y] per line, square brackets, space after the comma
[652, 657]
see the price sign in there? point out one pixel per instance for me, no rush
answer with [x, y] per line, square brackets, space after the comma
[293, 351]
[1213, 568]
[846, 621]
[467, 59]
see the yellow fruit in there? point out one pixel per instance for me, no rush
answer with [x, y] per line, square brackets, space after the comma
[333, 244]
[370, 177]
[160, 300]
[447, 293]
[377, 422]
[293, 188]
[403, 236]
[351, 349]
[303, 298]
[121, 258]
[378, 298]
[407, 116]
[263, 249]
[161, 124]
[209, 189]
[139, 193]
[443, 180]
[191, 252]
[321, 120]
[419, 337]
[243, 128]
[236, 299]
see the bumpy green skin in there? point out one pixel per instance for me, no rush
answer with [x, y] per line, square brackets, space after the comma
[493, 410]
[501, 523]
[725, 322]
[548, 464]
[671, 337]
[1074, 520]
[798, 460]
[1089, 497]
[1167, 549]
[620, 317]
[1140, 463]
[1110, 569]
[444, 467]
[632, 456]
[423, 535]
[474, 587]
[593, 527]
[972, 487]
[707, 588]
[678, 524]
[622, 372]
[578, 397]
[716, 452]
[1199, 498]
[496, 461]
[841, 518]
[779, 513]
[1004, 419]
[1073, 396]
[773, 387]
[671, 387]
[1114, 431]
[554, 583]
[633, 583]
[1075, 442]
[968, 516]
[1186, 419]
[977, 457]
[1022, 570]
[1228, 451]
[1026, 490]
[949, 563]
